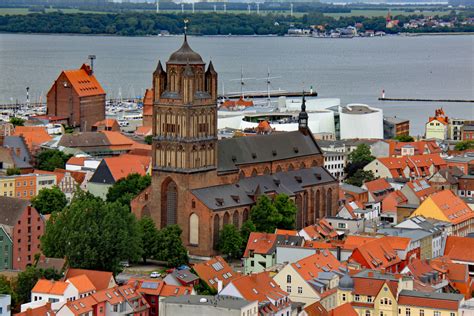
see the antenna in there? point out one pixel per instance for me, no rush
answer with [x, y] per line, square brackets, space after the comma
[91, 58]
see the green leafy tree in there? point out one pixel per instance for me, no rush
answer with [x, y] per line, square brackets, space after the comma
[247, 228]
[265, 215]
[13, 171]
[6, 288]
[287, 209]
[17, 121]
[230, 241]
[404, 138]
[124, 190]
[51, 159]
[49, 200]
[92, 234]
[360, 177]
[149, 139]
[358, 159]
[464, 145]
[25, 282]
[170, 247]
[149, 237]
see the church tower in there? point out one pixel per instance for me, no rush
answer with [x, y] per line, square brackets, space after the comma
[184, 149]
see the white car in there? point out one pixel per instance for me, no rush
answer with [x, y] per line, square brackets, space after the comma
[155, 275]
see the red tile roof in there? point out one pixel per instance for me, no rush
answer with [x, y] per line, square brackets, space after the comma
[107, 123]
[143, 131]
[124, 165]
[405, 298]
[372, 286]
[392, 200]
[50, 287]
[377, 254]
[354, 241]
[82, 283]
[34, 136]
[321, 261]
[316, 309]
[100, 279]
[84, 83]
[82, 305]
[77, 161]
[44, 310]
[320, 230]
[215, 268]
[459, 248]
[344, 309]
[175, 290]
[260, 243]
[421, 188]
[421, 147]
[378, 189]
[452, 206]
[419, 164]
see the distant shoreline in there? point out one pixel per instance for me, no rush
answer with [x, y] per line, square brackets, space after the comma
[246, 36]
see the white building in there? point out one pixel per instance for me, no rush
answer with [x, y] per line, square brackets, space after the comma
[360, 121]
[335, 162]
[5, 302]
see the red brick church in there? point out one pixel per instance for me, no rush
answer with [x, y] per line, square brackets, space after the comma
[201, 183]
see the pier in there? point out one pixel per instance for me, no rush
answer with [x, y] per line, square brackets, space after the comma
[425, 100]
[273, 94]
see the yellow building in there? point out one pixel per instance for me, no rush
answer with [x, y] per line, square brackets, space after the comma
[437, 126]
[7, 186]
[448, 207]
[436, 304]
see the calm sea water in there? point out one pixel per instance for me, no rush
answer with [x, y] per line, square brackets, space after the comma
[355, 70]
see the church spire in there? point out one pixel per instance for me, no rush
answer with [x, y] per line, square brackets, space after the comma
[303, 117]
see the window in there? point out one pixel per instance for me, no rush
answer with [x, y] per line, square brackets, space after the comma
[422, 312]
[436, 313]
[452, 314]
[288, 289]
[341, 225]
[300, 290]
[367, 313]
[369, 299]
[288, 278]
[357, 297]
[407, 311]
[343, 297]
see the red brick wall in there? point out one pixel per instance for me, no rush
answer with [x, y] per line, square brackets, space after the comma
[26, 238]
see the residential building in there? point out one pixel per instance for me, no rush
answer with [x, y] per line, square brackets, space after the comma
[376, 254]
[37, 310]
[6, 128]
[417, 191]
[6, 247]
[421, 242]
[182, 277]
[377, 189]
[100, 279]
[457, 274]
[420, 147]
[309, 279]
[457, 250]
[438, 237]
[33, 137]
[395, 126]
[201, 305]
[465, 186]
[77, 96]
[54, 291]
[355, 209]
[106, 125]
[321, 230]
[390, 204]
[446, 179]
[7, 186]
[215, 272]
[416, 303]
[437, 126]
[455, 128]
[5, 305]
[347, 226]
[112, 169]
[467, 132]
[447, 207]
[25, 186]
[410, 167]
[464, 163]
[82, 164]
[153, 291]
[335, 162]
[19, 152]
[45, 181]
[272, 300]
[260, 251]
[426, 278]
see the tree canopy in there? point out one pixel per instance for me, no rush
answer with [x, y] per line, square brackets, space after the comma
[13, 171]
[230, 241]
[92, 234]
[170, 247]
[51, 159]
[17, 121]
[359, 177]
[463, 145]
[267, 214]
[124, 190]
[404, 138]
[49, 200]
[358, 159]
[148, 238]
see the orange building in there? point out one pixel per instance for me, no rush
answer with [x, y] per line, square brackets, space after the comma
[25, 186]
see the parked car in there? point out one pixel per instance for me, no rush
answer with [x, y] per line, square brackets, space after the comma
[183, 267]
[125, 264]
[155, 275]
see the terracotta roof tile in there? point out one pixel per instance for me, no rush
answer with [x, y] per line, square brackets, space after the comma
[445, 303]
[77, 161]
[124, 165]
[418, 164]
[50, 287]
[316, 309]
[321, 261]
[452, 206]
[377, 254]
[100, 279]
[260, 243]
[421, 188]
[83, 83]
[215, 268]
[82, 305]
[344, 309]
[107, 123]
[459, 248]
[175, 290]
[34, 136]
[44, 310]
[82, 283]
[143, 131]
[258, 287]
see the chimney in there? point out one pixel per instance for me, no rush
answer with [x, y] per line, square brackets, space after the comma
[370, 274]
[219, 286]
